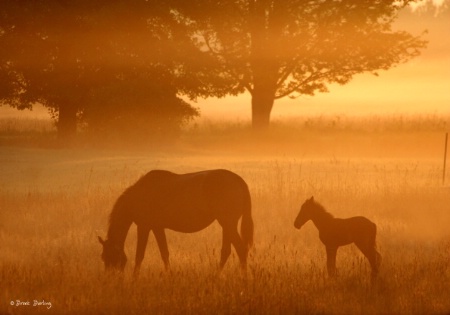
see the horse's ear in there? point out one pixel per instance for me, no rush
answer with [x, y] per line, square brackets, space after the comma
[101, 240]
[312, 198]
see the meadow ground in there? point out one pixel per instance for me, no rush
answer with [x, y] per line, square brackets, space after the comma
[54, 203]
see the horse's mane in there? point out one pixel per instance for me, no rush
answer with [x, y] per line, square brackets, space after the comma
[118, 215]
[116, 212]
[322, 211]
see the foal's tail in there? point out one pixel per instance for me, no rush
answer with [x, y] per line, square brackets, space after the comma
[378, 257]
[247, 221]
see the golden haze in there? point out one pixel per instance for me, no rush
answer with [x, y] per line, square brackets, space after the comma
[54, 203]
[373, 147]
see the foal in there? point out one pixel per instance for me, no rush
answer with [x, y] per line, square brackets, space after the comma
[334, 232]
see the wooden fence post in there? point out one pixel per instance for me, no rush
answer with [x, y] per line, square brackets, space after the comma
[445, 158]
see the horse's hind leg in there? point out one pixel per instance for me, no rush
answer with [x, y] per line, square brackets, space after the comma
[376, 262]
[226, 248]
[331, 260]
[160, 236]
[231, 236]
[240, 248]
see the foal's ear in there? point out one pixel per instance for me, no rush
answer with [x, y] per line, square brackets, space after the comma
[312, 198]
[101, 240]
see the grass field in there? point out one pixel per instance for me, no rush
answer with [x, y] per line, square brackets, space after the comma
[54, 203]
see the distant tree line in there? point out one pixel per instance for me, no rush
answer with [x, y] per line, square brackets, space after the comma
[124, 65]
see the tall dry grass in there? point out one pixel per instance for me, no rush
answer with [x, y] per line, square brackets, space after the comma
[54, 203]
[26, 131]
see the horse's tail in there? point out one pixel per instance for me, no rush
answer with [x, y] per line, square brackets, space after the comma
[373, 238]
[374, 244]
[247, 221]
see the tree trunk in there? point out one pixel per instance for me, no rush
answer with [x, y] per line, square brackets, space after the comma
[264, 65]
[262, 103]
[67, 122]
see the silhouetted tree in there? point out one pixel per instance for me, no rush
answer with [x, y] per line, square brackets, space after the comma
[279, 48]
[66, 55]
[139, 107]
[135, 91]
[44, 55]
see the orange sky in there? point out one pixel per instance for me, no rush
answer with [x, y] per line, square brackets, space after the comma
[421, 86]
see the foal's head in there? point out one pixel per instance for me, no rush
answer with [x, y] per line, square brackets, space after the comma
[306, 212]
[113, 257]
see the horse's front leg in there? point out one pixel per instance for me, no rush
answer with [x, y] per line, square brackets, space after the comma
[140, 249]
[331, 260]
[160, 236]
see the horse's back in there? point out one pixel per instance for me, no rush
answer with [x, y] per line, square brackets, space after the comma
[155, 176]
[163, 175]
[225, 188]
[219, 188]
[172, 200]
[223, 180]
[360, 224]
[362, 228]
[360, 220]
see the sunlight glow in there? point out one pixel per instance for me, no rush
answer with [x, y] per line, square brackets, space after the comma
[423, 3]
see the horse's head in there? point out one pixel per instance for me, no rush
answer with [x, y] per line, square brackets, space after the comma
[113, 257]
[305, 213]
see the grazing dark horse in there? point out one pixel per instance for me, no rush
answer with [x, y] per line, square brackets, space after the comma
[185, 203]
[334, 232]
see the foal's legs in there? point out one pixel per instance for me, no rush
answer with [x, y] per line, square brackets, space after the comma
[160, 236]
[331, 260]
[140, 249]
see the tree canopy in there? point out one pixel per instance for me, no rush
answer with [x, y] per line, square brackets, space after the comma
[78, 58]
[279, 48]
[108, 62]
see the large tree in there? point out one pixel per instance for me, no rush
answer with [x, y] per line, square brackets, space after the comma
[77, 58]
[43, 55]
[279, 48]
[138, 79]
